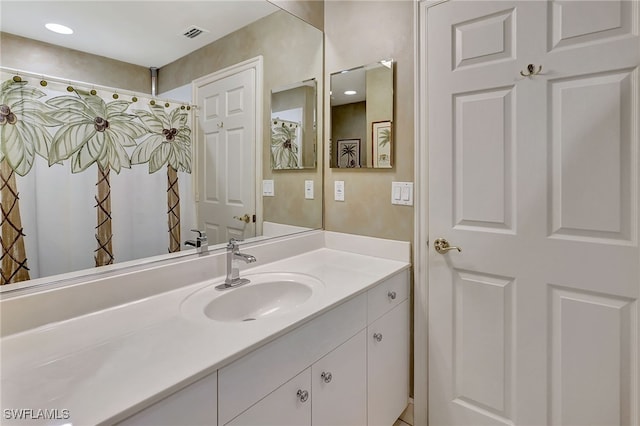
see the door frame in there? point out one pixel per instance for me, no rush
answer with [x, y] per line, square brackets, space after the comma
[421, 219]
[256, 64]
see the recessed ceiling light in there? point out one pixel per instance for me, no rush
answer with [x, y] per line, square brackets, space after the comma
[60, 29]
[350, 92]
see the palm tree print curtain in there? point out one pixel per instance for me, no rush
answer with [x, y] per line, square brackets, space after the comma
[285, 144]
[85, 130]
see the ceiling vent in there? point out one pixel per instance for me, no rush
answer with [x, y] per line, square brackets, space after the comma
[193, 31]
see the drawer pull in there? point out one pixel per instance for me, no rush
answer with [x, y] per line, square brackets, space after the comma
[303, 395]
[326, 377]
[378, 337]
[392, 295]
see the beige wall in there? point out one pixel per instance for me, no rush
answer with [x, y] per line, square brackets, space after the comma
[349, 121]
[311, 11]
[358, 33]
[292, 52]
[55, 61]
[379, 102]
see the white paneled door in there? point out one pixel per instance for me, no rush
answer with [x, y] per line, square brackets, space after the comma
[533, 122]
[226, 154]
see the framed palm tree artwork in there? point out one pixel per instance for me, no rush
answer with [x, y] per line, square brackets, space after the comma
[382, 138]
[348, 153]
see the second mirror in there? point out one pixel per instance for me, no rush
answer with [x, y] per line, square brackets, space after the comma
[362, 116]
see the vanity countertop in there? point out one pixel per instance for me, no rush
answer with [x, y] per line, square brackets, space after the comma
[109, 364]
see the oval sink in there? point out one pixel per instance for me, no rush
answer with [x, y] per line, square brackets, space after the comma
[268, 295]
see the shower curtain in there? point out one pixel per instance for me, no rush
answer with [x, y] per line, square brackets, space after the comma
[73, 189]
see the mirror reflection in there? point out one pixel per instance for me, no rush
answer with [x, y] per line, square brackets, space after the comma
[362, 116]
[142, 201]
[293, 126]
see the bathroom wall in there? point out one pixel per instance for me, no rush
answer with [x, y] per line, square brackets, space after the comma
[311, 11]
[349, 121]
[292, 52]
[30, 55]
[358, 33]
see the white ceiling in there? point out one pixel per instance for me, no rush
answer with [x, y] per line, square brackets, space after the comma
[146, 33]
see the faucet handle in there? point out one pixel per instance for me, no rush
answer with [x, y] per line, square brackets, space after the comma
[233, 243]
[201, 234]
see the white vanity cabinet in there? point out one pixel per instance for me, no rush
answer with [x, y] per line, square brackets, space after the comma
[348, 366]
[388, 350]
[339, 385]
[351, 365]
[387, 366]
[195, 405]
[289, 405]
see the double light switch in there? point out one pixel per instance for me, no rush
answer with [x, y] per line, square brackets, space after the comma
[402, 193]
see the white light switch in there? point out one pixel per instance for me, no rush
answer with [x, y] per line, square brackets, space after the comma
[402, 193]
[396, 192]
[268, 189]
[308, 189]
[338, 190]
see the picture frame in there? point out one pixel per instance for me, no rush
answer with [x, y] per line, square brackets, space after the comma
[348, 153]
[382, 138]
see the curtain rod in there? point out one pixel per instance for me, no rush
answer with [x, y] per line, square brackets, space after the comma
[22, 73]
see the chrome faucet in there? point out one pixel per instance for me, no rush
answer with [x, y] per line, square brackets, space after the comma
[233, 271]
[201, 242]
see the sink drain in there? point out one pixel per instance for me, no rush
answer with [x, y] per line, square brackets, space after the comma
[248, 319]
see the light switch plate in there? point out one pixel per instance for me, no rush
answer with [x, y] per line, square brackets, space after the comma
[338, 190]
[268, 189]
[402, 193]
[308, 189]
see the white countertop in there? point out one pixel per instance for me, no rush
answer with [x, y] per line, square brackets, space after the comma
[109, 364]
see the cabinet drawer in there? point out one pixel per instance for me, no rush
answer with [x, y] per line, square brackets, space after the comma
[249, 379]
[387, 295]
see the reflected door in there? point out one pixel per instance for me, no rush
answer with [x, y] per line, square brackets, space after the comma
[535, 177]
[226, 155]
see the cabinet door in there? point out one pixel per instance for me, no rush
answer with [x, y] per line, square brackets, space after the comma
[289, 405]
[388, 366]
[339, 385]
[194, 405]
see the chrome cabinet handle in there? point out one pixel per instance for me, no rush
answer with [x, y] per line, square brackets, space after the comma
[326, 377]
[392, 295]
[442, 246]
[303, 395]
[378, 337]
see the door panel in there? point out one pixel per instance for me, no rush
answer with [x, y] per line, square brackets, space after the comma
[573, 22]
[591, 353]
[597, 157]
[483, 182]
[483, 341]
[535, 321]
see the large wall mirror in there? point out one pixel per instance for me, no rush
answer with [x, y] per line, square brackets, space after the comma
[58, 221]
[362, 116]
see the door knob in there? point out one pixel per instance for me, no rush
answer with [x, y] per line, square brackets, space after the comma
[442, 246]
[302, 395]
[377, 337]
[244, 218]
[326, 376]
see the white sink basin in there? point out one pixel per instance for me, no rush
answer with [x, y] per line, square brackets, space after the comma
[268, 295]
